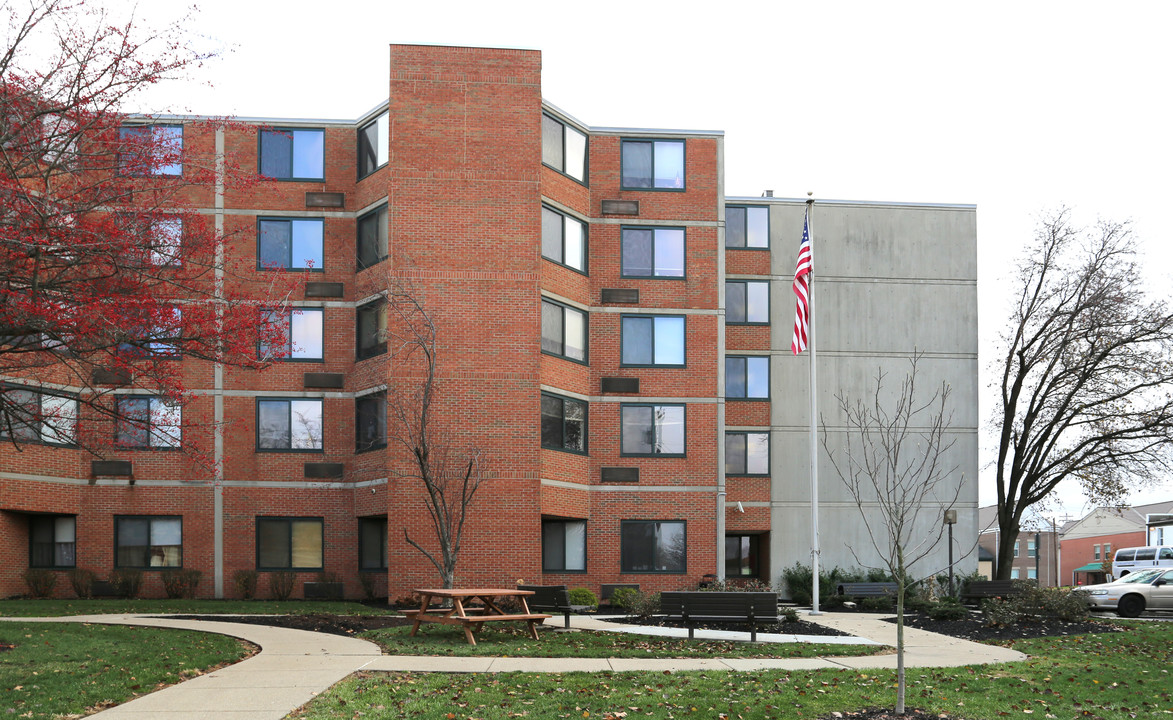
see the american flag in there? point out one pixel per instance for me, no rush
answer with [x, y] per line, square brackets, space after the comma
[802, 289]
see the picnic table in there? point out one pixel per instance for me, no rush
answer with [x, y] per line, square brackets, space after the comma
[472, 619]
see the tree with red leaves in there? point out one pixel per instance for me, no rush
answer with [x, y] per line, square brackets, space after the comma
[110, 274]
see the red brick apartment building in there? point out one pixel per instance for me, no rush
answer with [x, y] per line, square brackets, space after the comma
[614, 336]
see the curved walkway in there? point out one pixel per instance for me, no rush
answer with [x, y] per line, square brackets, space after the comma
[293, 666]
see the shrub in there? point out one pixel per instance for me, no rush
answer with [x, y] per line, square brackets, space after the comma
[1031, 603]
[738, 584]
[245, 582]
[621, 597]
[947, 609]
[878, 604]
[372, 586]
[127, 582]
[638, 604]
[798, 578]
[281, 584]
[583, 596]
[180, 583]
[410, 601]
[788, 615]
[326, 576]
[82, 582]
[40, 581]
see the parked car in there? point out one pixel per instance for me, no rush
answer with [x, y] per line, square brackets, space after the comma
[1129, 560]
[1131, 595]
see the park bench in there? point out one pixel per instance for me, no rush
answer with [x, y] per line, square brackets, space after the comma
[868, 589]
[976, 590]
[695, 607]
[549, 598]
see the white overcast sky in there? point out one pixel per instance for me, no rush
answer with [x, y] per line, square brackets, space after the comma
[1017, 107]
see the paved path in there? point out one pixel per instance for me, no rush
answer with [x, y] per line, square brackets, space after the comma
[295, 665]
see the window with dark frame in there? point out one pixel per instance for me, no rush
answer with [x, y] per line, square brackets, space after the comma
[564, 239]
[747, 453]
[741, 556]
[563, 545]
[564, 148]
[653, 252]
[370, 332]
[371, 242]
[146, 422]
[652, 164]
[564, 423]
[52, 541]
[293, 154]
[289, 543]
[289, 425]
[747, 226]
[290, 244]
[146, 150]
[159, 335]
[564, 331]
[373, 143]
[747, 378]
[653, 546]
[30, 416]
[747, 302]
[656, 430]
[372, 543]
[370, 421]
[294, 334]
[148, 541]
[652, 340]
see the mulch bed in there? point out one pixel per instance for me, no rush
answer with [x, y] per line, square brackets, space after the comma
[801, 627]
[974, 628]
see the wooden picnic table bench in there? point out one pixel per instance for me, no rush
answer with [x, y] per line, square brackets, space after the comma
[700, 606]
[472, 622]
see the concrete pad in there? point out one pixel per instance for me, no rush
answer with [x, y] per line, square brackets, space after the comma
[661, 665]
[422, 663]
[748, 664]
[550, 665]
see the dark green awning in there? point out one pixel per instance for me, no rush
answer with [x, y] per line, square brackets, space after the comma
[1090, 567]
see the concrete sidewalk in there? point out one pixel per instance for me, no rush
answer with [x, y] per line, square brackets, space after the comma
[293, 666]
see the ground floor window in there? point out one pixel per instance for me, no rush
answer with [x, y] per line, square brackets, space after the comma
[652, 546]
[52, 541]
[1013, 573]
[741, 556]
[372, 543]
[141, 542]
[563, 545]
[287, 543]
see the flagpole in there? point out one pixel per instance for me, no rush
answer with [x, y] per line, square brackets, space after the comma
[814, 445]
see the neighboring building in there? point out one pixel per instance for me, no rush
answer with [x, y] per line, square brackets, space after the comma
[614, 336]
[1036, 552]
[1094, 538]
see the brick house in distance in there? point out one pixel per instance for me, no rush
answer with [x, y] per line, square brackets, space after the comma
[1036, 553]
[614, 337]
[1095, 538]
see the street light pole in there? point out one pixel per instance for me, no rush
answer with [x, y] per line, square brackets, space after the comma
[950, 519]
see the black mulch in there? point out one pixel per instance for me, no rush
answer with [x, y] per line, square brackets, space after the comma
[801, 627]
[974, 628]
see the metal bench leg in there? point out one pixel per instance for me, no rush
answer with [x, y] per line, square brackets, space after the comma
[567, 620]
[753, 627]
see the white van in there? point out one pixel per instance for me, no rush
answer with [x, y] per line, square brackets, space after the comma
[1137, 558]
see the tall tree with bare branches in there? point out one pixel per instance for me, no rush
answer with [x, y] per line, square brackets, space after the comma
[893, 462]
[1086, 369]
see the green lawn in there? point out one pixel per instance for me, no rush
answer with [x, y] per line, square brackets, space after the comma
[98, 606]
[1114, 676]
[435, 639]
[55, 670]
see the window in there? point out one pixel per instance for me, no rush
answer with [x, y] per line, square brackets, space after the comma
[370, 332]
[653, 340]
[747, 302]
[741, 556]
[286, 244]
[1031, 550]
[31, 416]
[564, 239]
[647, 546]
[564, 148]
[564, 423]
[653, 252]
[289, 424]
[564, 546]
[1013, 573]
[652, 430]
[288, 154]
[293, 334]
[372, 543]
[147, 422]
[564, 331]
[747, 226]
[59, 138]
[1095, 552]
[747, 453]
[373, 141]
[52, 541]
[166, 241]
[151, 150]
[1032, 573]
[747, 378]
[142, 542]
[285, 543]
[1016, 548]
[653, 164]
[370, 421]
[158, 336]
[372, 238]
[1107, 551]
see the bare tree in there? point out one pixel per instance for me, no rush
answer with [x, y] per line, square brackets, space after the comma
[891, 463]
[450, 474]
[1086, 368]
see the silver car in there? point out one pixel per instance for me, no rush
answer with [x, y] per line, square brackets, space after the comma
[1134, 593]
